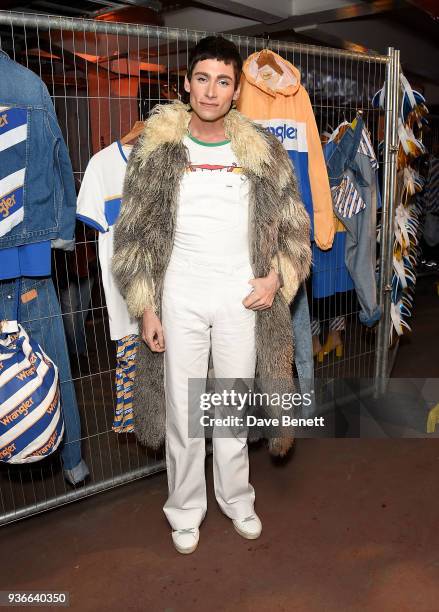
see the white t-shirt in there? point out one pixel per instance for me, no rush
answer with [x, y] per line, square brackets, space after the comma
[98, 206]
[212, 212]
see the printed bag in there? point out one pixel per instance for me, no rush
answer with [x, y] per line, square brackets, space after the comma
[31, 420]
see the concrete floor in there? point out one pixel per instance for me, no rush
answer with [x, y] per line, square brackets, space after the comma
[348, 525]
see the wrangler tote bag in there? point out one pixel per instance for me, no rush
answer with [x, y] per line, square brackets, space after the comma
[31, 420]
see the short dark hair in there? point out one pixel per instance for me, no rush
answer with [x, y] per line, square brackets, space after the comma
[216, 47]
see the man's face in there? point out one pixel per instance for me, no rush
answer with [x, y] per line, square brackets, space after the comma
[211, 89]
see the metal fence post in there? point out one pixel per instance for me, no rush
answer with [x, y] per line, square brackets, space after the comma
[387, 221]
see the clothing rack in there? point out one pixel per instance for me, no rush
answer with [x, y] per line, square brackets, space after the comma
[91, 69]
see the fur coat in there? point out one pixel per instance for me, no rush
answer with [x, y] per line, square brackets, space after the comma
[279, 230]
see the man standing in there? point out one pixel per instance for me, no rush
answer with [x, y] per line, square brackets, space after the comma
[210, 248]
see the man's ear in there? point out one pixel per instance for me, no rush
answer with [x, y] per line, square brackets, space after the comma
[237, 92]
[187, 85]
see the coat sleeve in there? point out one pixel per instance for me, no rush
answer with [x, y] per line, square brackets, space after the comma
[293, 257]
[132, 263]
[63, 177]
[318, 178]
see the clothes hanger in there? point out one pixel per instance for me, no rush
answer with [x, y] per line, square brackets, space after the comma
[357, 116]
[266, 58]
[134, 132]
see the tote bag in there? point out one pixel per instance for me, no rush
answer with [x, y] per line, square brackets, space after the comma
[31, 420]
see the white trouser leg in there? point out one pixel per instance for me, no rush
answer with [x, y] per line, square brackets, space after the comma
[234, 356]
[196, 303]
[187, 340]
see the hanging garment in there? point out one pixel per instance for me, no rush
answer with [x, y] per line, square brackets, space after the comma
[352, 169]
[281, 104]
[26, 260]
[99, 201]
[37, 189]
[125, 368]
[303, 354]
[98, 206]
[329, 272]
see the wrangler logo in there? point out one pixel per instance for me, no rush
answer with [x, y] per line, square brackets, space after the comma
[22, 409]
[283, 132]
[54, 404]
[6, 203]
[44, 449]
[3, 120]
[6, 451]
[26, 373]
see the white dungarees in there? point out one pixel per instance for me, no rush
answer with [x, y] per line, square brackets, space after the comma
[205, 283]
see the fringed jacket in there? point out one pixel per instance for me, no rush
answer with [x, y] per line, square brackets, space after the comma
[279, 230]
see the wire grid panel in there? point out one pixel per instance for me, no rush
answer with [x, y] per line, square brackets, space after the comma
[101, 82]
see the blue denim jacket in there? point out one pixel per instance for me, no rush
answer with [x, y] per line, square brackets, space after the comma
[37, 189]
[345, 159]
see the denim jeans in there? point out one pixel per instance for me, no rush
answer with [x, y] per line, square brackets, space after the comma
[41, 318]
[303, 355]
[345, 159]
[75, 302]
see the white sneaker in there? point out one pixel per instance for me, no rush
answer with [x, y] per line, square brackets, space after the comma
[186, 540]
[249, 527]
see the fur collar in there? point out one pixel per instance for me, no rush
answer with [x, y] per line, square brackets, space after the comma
[168, 124]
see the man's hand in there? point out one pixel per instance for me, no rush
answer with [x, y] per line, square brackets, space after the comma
[152, 331]
[265, 289]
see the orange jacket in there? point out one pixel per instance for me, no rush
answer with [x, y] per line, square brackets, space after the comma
[281, 104]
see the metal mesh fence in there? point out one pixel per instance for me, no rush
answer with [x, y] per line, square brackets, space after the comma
[103, 77]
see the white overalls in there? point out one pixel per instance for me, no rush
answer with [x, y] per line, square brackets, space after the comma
[205, 283]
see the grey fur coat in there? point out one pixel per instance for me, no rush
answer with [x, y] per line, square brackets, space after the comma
[279, 237]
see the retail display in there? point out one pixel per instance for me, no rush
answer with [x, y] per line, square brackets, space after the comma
[350, 263]
[409, 210]
[272, 95]
[38, 205]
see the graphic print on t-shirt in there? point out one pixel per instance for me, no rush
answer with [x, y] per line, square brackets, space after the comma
[214, 167]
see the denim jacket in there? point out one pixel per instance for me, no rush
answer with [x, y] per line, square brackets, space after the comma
[348, 160]
[37, 189]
